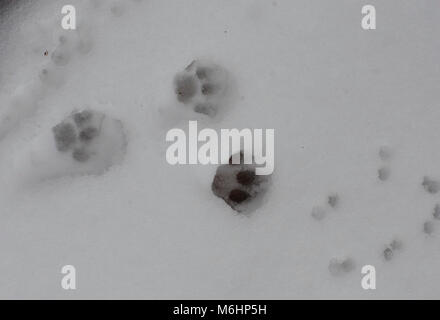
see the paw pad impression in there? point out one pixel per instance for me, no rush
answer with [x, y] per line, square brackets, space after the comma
[91, 137]
[238, 185]
[203, 86]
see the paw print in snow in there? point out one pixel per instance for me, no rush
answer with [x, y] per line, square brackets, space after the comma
[333, 200]
[203, 86]
[428, 227]
[436, 213]
[388, 254]
[389, 251]
[238, 185]
[318, 213]
[383, 173]
[68, 43]
[85, 142]
[385, 154]
[62, 53]
[430, 185]
[339, 267]
[91, 136]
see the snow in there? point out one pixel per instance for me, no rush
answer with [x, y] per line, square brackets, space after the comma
[336, 95]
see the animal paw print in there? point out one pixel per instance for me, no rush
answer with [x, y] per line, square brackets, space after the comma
[203, 86]
[385, 154]
[320, 212]
[391, 249]
[339, 267]
[90, 135]
[62, 53]
[430, 185]
[238, 185]
[429, 226]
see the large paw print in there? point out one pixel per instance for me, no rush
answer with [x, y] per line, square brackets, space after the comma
[238, 185]
[90, 136]
[203, 86]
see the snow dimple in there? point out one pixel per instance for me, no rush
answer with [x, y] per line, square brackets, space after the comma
[436, 212]
[85, 45]
[60, 57]
[333, 200]
[383, 173]
[396, 244]
[341, 266]
[428, 227]
[319, 212]
[203, 86]
[388, 254]
[117, 9]
[385, 153]
[239, 186]
[50, 76]
[430, 185]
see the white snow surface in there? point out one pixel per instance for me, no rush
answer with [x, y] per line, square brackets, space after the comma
[334, 93]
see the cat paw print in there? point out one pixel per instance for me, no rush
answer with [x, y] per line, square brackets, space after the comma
[390, 250]
[84, 143]
[239, 186]
[90, 136]
[203, 86]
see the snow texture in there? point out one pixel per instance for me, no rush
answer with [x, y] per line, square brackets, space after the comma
[356, 177]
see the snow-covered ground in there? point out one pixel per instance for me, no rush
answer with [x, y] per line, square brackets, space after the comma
[344, 104]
